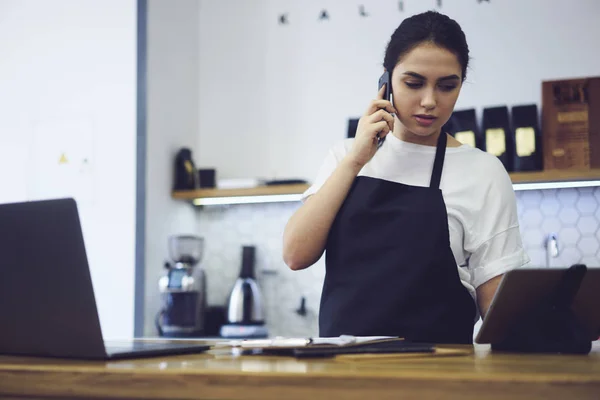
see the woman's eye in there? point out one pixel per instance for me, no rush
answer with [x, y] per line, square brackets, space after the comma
[413, 85]
[447, 88]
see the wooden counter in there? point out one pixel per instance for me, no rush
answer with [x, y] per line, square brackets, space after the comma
[479, 374]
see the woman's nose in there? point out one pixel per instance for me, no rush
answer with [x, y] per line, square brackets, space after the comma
[428, 100]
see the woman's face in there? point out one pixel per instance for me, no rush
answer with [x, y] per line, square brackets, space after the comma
[426, 83]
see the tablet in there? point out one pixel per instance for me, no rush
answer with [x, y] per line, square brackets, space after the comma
[521, 288]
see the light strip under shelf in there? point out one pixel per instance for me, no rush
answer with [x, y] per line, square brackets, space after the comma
[554, 185]
[271, 198]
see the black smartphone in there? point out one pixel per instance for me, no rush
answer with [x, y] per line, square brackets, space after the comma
[384, 80]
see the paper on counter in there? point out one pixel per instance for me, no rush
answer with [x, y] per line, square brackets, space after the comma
[348, 339]
[282, 342]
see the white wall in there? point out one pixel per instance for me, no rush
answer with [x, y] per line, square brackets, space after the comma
[233, 88]
[172, 122]
[273, 98]
[68, 84]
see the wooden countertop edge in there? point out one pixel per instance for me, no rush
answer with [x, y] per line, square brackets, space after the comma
[110, 384]
[376, 373]
[100, 368]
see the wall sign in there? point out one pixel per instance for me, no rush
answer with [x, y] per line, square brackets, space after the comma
[324, 14]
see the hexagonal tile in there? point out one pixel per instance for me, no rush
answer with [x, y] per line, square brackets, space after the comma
[549, 206]
[532, 218]
[597, 193]
[568, 237]
[244, 227]
[537, 257]
[568, 257]
[274, 244]
[568, 216]
[549, 192]
[587, 204]
[597, 214]
[520, 205]
[520, 212]
[259, 215]
[551, 224]
[553, 262]
[567, 197]
[533, 238]
[587, 225]
[598, 257]
[531, 198]
[597, 235]
[590, 261]
[586, 191]
[588, 245]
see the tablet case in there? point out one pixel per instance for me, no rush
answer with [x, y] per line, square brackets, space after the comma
[551, 326]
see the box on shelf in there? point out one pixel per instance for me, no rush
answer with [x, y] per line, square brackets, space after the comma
[527, 138]
[571, 123]
[498, 138]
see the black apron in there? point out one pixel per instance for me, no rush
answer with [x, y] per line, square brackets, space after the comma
[390, 268]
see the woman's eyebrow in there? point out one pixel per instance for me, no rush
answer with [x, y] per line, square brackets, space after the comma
[443, 78]
[415, 75]
[449, 78]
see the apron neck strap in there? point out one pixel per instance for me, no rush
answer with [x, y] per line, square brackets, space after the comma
[438, 164]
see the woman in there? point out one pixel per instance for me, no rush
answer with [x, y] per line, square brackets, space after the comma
[419, 231]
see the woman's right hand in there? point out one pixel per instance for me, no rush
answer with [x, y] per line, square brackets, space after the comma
[376, 122]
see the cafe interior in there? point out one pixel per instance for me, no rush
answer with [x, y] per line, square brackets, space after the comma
[161, 160]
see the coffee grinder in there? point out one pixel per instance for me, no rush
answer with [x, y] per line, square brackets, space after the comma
[183, 289]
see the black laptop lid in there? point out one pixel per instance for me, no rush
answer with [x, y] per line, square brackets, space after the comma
[47, 305]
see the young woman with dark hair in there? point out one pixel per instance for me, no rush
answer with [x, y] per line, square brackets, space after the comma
[416, 232]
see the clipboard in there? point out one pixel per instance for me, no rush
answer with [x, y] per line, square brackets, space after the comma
[391, 346]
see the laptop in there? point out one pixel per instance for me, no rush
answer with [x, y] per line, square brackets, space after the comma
[47, 303]
[521, 288]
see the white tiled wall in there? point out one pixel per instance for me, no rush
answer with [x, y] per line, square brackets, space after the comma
[573, 214]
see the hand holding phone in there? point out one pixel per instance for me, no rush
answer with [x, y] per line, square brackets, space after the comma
[375, 124]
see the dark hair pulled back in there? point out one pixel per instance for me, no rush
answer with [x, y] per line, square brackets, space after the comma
[432, 27]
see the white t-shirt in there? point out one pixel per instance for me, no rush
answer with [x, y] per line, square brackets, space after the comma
[480, 201]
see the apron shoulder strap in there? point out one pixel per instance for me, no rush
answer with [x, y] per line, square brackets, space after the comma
[438, 163]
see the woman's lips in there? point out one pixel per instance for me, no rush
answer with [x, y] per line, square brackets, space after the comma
[425, 120]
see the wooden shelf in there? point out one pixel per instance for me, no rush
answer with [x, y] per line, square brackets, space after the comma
[255, 191]
[520, 179]
[555, 176]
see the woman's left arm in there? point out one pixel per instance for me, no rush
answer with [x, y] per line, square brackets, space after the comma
[492, 235]
[485, 294]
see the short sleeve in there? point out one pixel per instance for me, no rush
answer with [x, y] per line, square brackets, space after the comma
[333, 158]
[494, 238]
